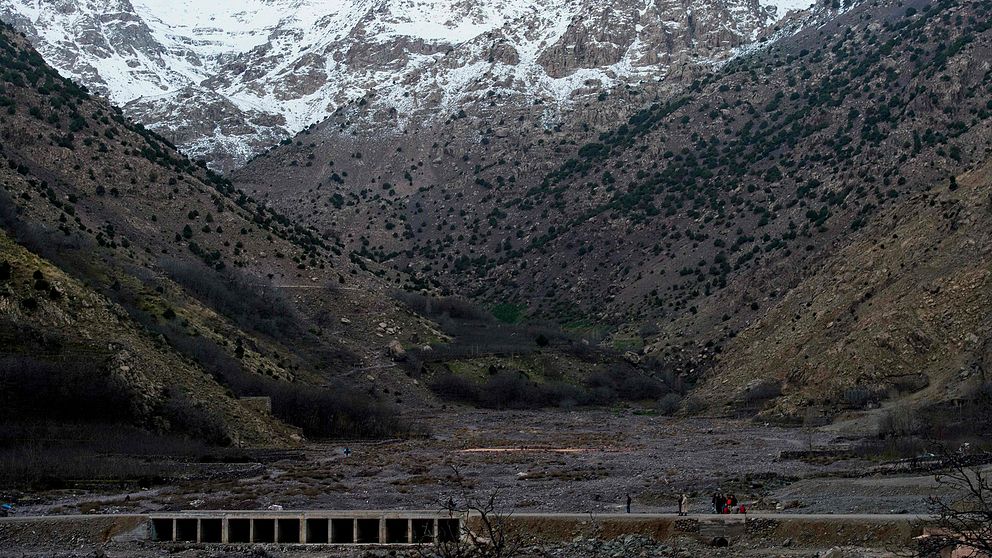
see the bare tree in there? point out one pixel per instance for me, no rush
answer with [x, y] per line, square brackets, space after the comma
[963, 521]
[484, 529]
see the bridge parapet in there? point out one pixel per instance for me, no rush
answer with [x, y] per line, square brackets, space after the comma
[306, 527]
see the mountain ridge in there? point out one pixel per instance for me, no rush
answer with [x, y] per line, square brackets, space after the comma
[190, 271]
[199, 72]
[677, 226]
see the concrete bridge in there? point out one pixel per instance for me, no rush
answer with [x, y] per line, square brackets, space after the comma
[367, 527]
[306, 527]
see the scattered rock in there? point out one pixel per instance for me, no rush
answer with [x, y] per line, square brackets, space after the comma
[396, 350]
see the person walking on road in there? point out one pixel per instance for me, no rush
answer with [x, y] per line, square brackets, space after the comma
[628, 502]
[683, 505]
[717, 502]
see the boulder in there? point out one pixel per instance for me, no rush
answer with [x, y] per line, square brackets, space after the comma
[396, 350]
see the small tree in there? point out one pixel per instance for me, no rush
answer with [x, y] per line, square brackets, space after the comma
[487, 537]
[964, 521]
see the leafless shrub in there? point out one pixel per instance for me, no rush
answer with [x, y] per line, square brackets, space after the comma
[249, 302]
[448, 306]
[508, 389]
[860, 397]
[669, 403]
[486, 534]
[333, 412]
[455, 387]
[693, 404]
[963, 522]
[910, 383]
[188, 416]
[902, 422]
[320, 411]
[48, 454]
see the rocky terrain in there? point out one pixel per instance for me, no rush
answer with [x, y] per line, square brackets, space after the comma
[141, 289]
[579, 461]
[789, 220]
[178, 285]
[569, 252]
[679, 232]
[576, 462]
[899, 310]
[225, 80]
[682, 225]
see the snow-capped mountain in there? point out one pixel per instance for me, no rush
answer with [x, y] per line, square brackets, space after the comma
[227, 78]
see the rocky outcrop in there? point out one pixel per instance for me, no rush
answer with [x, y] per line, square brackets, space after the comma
[595, 40]
[266, 69]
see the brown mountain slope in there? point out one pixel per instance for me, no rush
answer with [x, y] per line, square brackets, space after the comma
[680, 224]
[261, 304]
[903, 309]
[265, 306]
[48, 314]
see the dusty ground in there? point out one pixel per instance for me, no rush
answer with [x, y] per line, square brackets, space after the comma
[581, 461]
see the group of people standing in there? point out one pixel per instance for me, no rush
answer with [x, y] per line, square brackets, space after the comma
[722, 504]
[727, 503]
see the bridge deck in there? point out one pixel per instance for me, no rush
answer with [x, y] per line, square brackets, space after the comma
[398, 527]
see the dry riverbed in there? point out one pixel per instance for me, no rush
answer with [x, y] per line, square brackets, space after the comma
[541, 461]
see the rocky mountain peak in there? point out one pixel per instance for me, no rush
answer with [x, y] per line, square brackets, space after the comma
[225, 80]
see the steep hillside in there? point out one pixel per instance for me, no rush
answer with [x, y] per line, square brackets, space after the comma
[46, 314]
[213, 297]
[224, 80]
[212, 294]
[903, 309]
[682, 223]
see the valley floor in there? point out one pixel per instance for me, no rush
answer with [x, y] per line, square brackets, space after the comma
[540, 461]
[583, 461]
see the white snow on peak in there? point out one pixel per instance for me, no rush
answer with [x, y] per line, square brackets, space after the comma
[301, 59]
[783, 7]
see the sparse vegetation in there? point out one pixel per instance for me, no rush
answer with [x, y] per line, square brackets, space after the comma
[251, 303]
